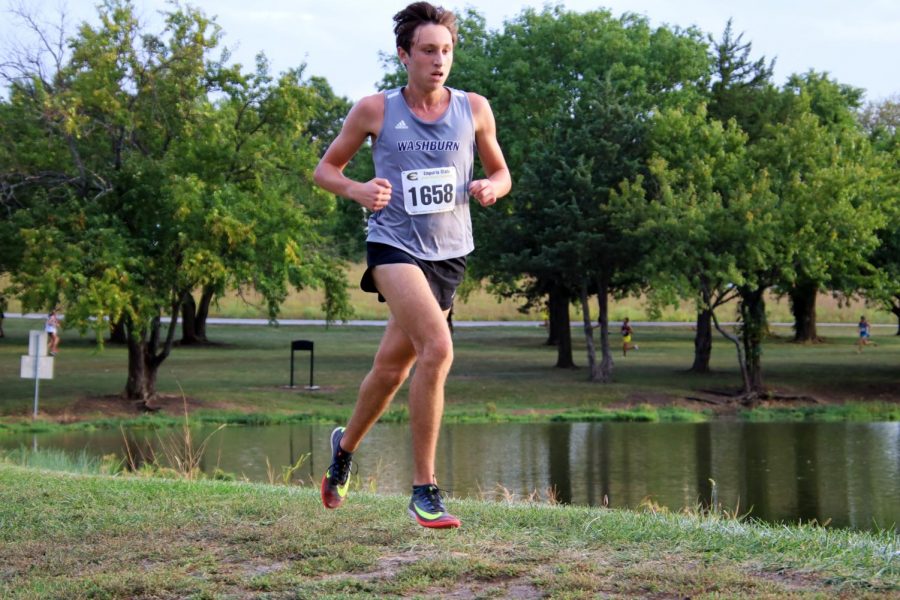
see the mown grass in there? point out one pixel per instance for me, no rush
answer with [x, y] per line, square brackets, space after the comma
[499, 374]
[76, 536]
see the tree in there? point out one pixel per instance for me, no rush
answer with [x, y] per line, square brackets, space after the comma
[731, 218]
[254, 130]
[142, 169]
[346, 225]
[825, 218]
[742, 91]
[881, 122]
[741, 87]
[573, 92]
[698, 205]
[834, 106]
[700, 177]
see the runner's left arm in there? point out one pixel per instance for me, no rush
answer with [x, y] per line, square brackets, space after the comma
[499, 180]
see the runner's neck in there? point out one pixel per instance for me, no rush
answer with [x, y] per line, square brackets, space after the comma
[430, 105]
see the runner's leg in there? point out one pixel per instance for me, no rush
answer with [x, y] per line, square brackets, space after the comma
[417, 313]
[390, 369]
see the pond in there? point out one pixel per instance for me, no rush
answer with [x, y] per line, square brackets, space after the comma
[845, 474]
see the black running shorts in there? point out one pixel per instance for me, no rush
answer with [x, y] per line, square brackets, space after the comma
[444, 276]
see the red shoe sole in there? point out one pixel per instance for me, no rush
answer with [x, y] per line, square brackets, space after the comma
[448, 523]
[325, 503]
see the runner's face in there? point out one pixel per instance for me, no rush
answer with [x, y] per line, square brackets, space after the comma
[430, 56]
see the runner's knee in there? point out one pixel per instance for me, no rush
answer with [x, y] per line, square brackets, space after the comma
[390, 375]
[437, 353]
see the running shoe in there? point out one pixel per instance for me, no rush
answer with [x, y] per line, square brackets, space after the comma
[427, 508]
[337, 478]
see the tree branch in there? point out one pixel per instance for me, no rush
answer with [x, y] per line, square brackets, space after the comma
[740, 353]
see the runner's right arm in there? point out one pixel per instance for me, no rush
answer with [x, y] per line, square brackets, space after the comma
[364, 119]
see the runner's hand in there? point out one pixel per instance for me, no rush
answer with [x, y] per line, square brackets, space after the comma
[483, 191]
[374, 194]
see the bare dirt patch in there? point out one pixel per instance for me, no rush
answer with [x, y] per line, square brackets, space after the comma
[729, 402]
[518, 589]
[722, 403]
[115, 406]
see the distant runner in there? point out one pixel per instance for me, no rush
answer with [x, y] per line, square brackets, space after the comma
[627, 332]
[864, 334]
[52, 329]
[423, 140]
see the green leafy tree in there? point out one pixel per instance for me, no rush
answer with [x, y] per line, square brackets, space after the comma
[840, 158]
[742, 87]
[597, 137]
[142, 169]
[824, 220]
[733, 219]
[246, 163]
[881, 122]
[692, 205]
[572, 93]
[741, 90]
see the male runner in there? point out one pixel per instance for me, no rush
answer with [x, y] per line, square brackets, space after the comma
[424, 137]
[865, 332]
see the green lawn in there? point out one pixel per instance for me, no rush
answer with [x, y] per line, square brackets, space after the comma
[89, 536]
[499, 373]
[65, 535]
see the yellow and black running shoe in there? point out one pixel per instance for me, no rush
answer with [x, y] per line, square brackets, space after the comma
[337, 478]
[427, 508]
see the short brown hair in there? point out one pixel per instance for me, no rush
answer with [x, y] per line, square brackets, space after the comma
[421, 13]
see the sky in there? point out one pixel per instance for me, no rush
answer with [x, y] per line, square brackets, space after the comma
[857, 43]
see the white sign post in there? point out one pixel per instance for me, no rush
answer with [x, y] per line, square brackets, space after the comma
[37, 365]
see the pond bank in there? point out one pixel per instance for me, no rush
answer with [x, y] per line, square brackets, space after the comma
[115, 413]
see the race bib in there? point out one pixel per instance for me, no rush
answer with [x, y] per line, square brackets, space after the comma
[428, 191]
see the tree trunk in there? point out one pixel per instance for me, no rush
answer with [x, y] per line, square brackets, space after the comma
[560, 313]
[145, 355]
[117, 334]
[189, 321]
[593, 367]
[895, 308]
[142, 371]
[606, 360]
[742, 363]
[803, 307]
[753, 326]
[703, 342]
[206, 297]
[557, 303]
[193, 315]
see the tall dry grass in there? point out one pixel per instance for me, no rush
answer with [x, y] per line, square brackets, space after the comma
[482, 306]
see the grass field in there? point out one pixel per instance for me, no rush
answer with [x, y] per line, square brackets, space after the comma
[79, 535]
[88, 536]
[499, 374]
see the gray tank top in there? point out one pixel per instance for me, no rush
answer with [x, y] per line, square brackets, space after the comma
[429, 165]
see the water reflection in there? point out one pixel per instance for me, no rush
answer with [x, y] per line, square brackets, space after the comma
[847, 473]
